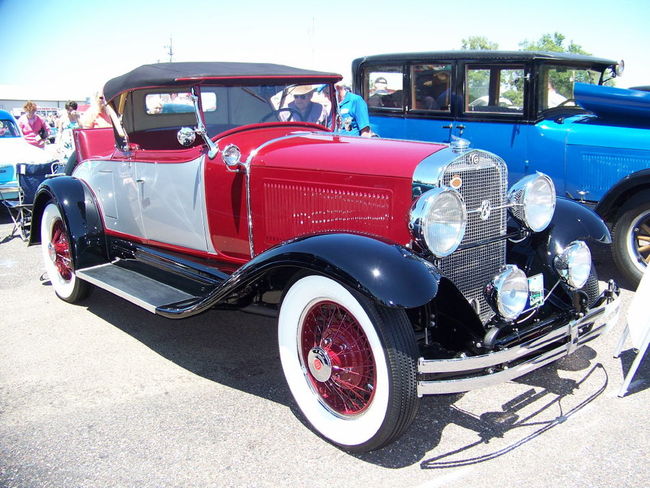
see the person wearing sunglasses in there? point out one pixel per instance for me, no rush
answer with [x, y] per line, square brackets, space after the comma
[302, 108]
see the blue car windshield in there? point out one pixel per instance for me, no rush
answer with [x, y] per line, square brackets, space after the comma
[8, 128]
[556, 87]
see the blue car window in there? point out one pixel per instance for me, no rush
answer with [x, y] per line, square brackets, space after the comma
[431, 87]
[384, 87]
[494, 89]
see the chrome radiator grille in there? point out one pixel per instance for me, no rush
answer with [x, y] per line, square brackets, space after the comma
[484, 184]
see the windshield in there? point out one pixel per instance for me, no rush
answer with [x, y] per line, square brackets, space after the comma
[8, 128]
[556, 85]
[234, 106]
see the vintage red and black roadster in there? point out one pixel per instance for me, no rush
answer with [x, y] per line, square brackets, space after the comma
[396, 269]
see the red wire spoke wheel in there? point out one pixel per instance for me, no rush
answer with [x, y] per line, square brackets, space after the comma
[338, 358]
[57, 256]
[59, 249]
[349, 362]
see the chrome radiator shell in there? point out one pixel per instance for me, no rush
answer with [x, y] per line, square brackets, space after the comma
[482, 179]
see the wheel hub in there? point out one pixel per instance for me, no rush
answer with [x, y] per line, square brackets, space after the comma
[51, 251]
[320, 364]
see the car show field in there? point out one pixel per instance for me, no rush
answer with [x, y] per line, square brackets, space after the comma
[106, 394]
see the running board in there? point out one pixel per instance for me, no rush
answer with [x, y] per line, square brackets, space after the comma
[132, 286]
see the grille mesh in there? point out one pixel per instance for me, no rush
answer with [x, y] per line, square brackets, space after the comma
[484, 178]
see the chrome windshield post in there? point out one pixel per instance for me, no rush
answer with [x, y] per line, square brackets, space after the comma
[200, 127]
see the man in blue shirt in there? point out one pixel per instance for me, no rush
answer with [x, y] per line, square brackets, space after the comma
[353, 113]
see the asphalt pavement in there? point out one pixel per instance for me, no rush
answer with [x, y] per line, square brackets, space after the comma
[105, 394]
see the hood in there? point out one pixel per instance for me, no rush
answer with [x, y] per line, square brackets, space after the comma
[16, 150]
[326, 152]
[614, 103]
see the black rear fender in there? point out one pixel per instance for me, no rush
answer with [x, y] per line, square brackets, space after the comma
[82, 218]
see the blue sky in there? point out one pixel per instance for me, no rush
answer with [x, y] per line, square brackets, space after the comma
[81, 44]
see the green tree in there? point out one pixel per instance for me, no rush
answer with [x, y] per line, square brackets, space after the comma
[561, 79]
[478, 80]
[479, 43]
[552, 42]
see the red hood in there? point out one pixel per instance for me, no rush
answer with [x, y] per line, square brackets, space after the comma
[345, 154]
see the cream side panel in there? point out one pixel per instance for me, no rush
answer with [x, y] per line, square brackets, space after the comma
[163, 202]
[116, 190]
[173, 203]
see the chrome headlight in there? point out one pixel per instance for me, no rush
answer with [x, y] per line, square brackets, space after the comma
[574, 264]
[533, 201]
[507, 293]
[438, 219]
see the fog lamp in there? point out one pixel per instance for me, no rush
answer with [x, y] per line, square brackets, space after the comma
[507, 293]
[574, 264]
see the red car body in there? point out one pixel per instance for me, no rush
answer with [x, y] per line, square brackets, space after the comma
[396, 269]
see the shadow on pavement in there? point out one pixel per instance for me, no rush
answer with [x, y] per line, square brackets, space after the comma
[641, 380]
[519, 420]
[240, 351]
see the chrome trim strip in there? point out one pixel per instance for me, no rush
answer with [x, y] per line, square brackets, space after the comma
[605, 316]
[247, 168]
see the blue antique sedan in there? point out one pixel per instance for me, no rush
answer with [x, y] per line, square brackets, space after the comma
[541, 111]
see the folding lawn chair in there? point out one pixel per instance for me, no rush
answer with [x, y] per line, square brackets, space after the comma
[29, 176]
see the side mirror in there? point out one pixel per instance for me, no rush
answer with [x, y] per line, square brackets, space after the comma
[186, 136]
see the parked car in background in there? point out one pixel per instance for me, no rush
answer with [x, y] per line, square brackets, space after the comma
[396, 269]
[14, 150]
[540, 111]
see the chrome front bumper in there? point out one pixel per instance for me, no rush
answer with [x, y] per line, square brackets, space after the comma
[507, 364]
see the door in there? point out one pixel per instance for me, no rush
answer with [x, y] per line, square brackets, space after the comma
[172, 199]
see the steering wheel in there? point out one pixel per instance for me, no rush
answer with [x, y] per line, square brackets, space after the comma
[568, 100]
[294, 114]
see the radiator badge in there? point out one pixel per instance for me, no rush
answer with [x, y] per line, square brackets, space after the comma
[456, 182]
[485, 209]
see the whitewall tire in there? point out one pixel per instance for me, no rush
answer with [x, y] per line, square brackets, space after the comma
[349, 363]
[57, 256]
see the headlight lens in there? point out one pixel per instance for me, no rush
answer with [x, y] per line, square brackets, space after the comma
[507, 293]
[438, 220]
[533, 199]
[574, 264]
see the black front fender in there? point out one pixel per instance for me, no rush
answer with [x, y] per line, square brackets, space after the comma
[571, 222]
[81, 215]
[385, 272]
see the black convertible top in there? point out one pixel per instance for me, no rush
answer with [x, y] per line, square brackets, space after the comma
[178, 74]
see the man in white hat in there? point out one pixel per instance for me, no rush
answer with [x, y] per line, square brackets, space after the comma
[353, 112]
[302, 107]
